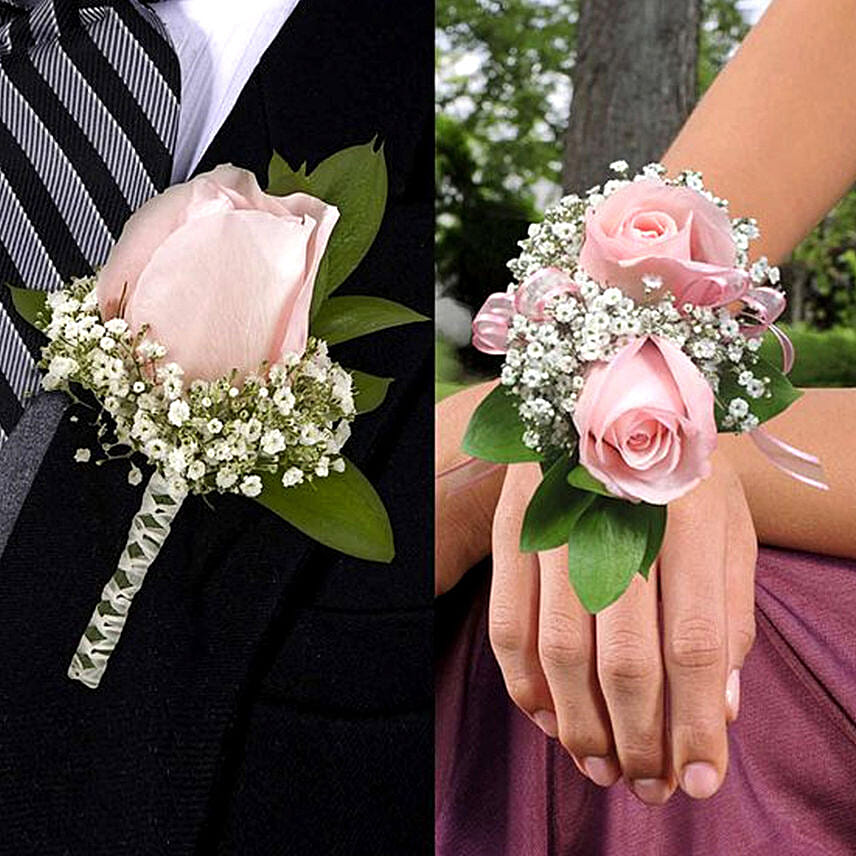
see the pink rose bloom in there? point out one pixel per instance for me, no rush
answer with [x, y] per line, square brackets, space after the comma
[649, 227]
[645, 422]
[222, 272]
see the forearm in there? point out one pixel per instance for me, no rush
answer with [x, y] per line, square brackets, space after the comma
[775, 132]
[463, 507]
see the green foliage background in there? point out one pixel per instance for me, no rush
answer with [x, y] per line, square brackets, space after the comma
[503, 82]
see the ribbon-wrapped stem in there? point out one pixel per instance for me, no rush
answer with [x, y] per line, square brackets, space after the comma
[149, 530]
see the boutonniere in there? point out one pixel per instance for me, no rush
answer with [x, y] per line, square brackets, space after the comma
[205, 341]
[630, 336]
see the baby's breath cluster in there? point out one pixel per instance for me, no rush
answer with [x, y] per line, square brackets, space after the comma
[547, 357]
[222, 435]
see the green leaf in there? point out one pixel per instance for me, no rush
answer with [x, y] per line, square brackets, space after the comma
[782, 393]
[553, 510]
[495, 432]
[581, 478]
[656, 530]
[354, 180]
[605, 549]
[29, 303]
[342, 511]
[369, 390]
[340, 319]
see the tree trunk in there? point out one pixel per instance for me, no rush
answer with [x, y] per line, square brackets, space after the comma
[634, 84]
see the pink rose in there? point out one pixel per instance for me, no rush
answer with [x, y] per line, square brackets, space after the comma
[221, 272]
[649, 227]
[645, 422]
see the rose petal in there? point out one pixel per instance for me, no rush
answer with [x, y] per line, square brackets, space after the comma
[256, 261]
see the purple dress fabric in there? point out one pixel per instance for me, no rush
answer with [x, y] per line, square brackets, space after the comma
[504, 789]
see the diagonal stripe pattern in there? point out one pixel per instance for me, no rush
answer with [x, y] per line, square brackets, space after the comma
[89, 104]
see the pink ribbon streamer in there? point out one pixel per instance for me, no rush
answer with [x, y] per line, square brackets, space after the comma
[788, 353]
[768, 304]
[467, 473]
[796, 463]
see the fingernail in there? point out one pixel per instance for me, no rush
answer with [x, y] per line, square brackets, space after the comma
[654, 791]
[732, 693]
[546, 721]
[600, 770]
[700, 780]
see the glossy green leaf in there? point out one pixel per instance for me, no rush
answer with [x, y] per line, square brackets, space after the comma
[553, 510]
[656, 530]
[340, 319]
[29, 303]
[355, 181]
[782, 393]
[369, 390]
[605, 549]
[581, 478]
[495, 432]
[342, 511]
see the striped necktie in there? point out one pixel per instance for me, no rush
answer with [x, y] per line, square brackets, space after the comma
[89, 104]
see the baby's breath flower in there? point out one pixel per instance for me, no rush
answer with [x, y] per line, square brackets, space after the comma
[251, 486]
[196, 470]
[179, 413]
[292, 476]
[82, 456]
[273, 442]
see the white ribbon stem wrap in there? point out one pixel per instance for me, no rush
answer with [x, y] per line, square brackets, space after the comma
[149, 530]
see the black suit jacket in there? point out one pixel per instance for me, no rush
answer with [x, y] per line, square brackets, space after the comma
[268, 695]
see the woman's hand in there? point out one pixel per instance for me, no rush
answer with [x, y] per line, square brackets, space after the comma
[599, 683]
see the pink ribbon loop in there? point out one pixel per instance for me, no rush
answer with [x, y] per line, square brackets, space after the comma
[490, 326]
[492, 321]
[535, 291]
[798, 464]
[766, 305]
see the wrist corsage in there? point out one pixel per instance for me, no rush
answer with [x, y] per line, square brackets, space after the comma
[631, 335]
[205, 341]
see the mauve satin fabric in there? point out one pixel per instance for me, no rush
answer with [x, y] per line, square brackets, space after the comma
[504, 789]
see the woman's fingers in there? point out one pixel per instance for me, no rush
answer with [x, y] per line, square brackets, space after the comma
[514, 596]
[741, 556]
[695, 644]
[631, 675]
[566, 651]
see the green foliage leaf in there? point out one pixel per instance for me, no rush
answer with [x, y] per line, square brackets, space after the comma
[606, 548]
[29, 303]
[369, 390]
[553, 510]
[782, 394]
[355, 181]
[342, 511]
[340, 319]
[495, 432]
[581, 478]
[656, 530]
